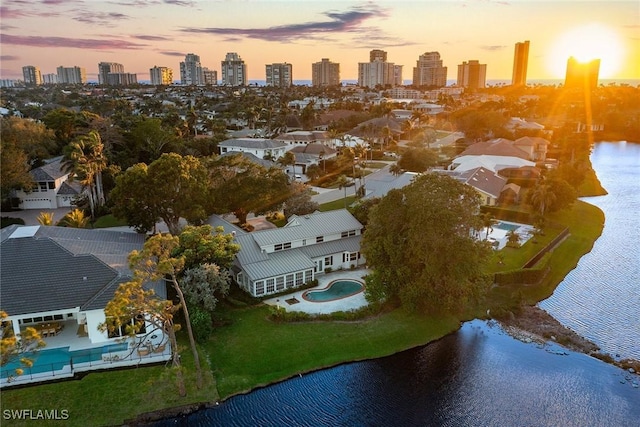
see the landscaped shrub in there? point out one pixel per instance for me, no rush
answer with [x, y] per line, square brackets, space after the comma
[201, 323]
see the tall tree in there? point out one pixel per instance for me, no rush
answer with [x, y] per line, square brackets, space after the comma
[156, 262]
[206, 245]
[343, 183]
[14, 170]
[300, 203]
[131, 300]
[242, 187]
[170, 188]
[426, 257]
[85, 158]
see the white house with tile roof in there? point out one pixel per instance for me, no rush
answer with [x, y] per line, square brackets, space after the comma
[52, 188]
[275, 260]
[59, 280]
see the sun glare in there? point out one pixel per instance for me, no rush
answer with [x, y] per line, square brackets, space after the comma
[585, 43]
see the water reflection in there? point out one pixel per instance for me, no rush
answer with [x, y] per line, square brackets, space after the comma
[478, 376]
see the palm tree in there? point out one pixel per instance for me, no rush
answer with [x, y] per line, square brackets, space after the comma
[86, 160]
[74, 219]
[45, 218]
[542, 197]
[343, 182]
[488, 221]
[513, 239]
[395, 169]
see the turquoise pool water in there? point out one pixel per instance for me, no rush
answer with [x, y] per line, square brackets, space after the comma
[53, 359]
[504, 226]
[336, 290]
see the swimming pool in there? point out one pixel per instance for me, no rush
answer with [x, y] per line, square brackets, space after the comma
[54, 359]
[506, 226]
[337, 289]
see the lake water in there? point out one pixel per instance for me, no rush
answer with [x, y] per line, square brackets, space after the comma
[600, 299]
[480, 376]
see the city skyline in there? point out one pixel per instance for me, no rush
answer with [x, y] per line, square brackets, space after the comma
[141, 34]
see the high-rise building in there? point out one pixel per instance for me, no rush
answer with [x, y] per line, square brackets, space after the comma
[210, 76]
[582, 75]
[429, 71]
[379, 72]
[191, 70]
[49, 79]
[234, 70]
[71, 75]
[279, 74]
[377, 55]
[122, 79]
[31, 75]
[472, 74]
[520, 62]
[325, 73]
[160, 75]
[104, 68]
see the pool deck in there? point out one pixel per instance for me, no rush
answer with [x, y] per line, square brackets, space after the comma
[324, 307]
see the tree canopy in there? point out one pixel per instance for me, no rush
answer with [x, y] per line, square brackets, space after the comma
[170, 188]
[419, 243]
[242, 187]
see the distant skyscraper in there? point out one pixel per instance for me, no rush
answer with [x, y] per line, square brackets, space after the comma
[520, 62]
[104, 68]
[582, 75]
[429, 71]
[279, 74]
[234, 70]
[191, 70]
[377, 55]
[122, 79]
[71, 75]
[210, 76]
[472, 74]
[49, 79]
[31, 75]
[378, 72]
[325, 73]
[161, 75]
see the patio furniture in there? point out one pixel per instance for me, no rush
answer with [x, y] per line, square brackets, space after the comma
[53, 332]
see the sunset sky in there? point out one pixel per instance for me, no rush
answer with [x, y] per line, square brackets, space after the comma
[143, 33]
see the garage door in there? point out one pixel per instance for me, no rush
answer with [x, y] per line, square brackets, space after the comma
[36, 204]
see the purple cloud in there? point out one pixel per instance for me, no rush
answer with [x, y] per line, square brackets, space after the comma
[171, 53]
[188, 3]
[100, 18]
[349, 21]
[36, 41]
[9, 58]
[9, 13]
[151, 38]
[146, 3]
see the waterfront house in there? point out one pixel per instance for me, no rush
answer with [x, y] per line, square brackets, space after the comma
[59, 280]
[279, 259]
[259, 147]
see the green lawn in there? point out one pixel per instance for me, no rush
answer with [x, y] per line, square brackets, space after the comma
[255, 351]
[109, 221]
[337, 204]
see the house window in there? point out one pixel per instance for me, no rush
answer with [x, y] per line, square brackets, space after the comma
[348, 233]
[328, 261]
[270, 285]
[281, 246]
[319, 239]
[287, 245]
[280, 283]
[299, 278]
[43, 186]
[260, 287]
[121, 331]
[290, 278]
[52, 185]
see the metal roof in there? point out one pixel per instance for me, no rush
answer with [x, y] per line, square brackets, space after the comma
[252, 143]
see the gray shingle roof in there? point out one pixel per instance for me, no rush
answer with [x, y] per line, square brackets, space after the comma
[40, 275]
[49, 172]
[46, 269]
[484, 180]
